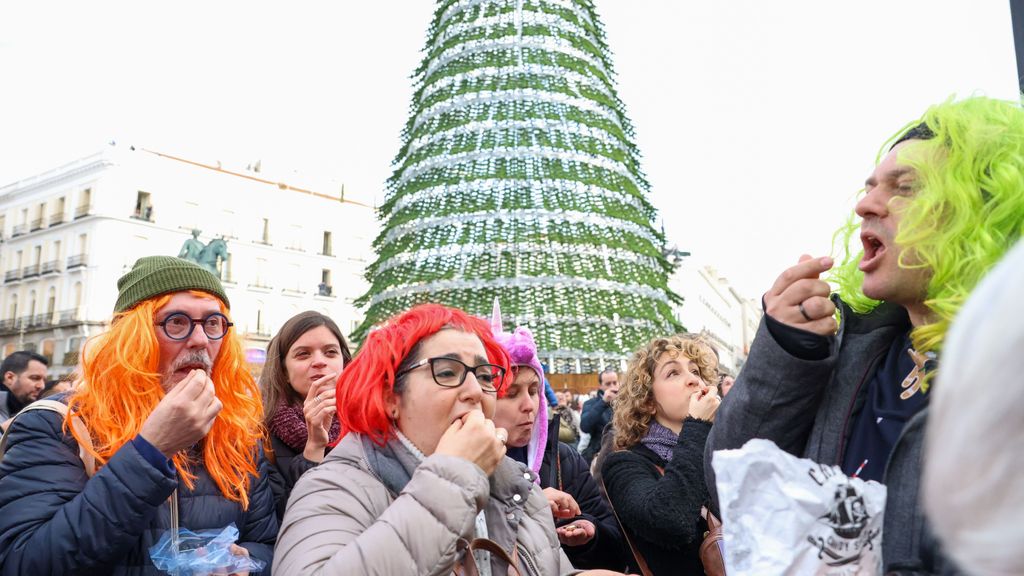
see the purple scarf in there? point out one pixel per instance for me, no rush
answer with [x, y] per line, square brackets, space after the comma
[660, 440]
[289, 424]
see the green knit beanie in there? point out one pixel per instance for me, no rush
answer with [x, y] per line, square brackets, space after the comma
[155, 275]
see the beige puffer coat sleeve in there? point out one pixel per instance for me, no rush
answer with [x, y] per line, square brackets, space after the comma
[341, 519]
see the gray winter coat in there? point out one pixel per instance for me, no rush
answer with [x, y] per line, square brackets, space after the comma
[351, 515]
[807, 408]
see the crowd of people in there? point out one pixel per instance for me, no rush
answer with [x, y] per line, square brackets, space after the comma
[437, 448]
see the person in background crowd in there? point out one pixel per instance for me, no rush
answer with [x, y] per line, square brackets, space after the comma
[978, 522]
[172, 418]
[597, 412]
[941, 207]
[23, 378]
[549, 394]
[725, 384]
[587, 529]
[54, 387]
[568, 419]
[655, 474]
[298, 384]
[420, 470]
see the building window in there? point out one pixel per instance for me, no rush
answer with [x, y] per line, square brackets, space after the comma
[265, 238]
[325, 288]
[40, 218]
[328, 249]
[84, 203]
[58, 212]
[261, 319]
[225, 269]
[14, 307]
[143, 206]
[295, 237]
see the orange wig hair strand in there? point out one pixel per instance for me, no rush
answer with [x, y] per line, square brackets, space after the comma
[120, 387]
[365, 382]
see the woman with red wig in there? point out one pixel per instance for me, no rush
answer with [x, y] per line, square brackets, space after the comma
[420, 471]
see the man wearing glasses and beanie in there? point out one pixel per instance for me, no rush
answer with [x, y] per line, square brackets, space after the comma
[167, 416]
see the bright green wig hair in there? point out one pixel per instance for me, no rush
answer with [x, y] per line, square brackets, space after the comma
[967, 212]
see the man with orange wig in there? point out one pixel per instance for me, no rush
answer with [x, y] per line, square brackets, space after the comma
[171, 418]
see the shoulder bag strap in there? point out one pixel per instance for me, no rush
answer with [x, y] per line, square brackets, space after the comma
[469, 567]
[640, 562]
[76, 422]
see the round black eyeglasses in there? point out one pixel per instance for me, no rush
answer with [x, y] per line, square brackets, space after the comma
[451, 373]
[179, 326]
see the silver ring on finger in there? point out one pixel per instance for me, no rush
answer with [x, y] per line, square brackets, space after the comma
[317, 398]
[803, 312]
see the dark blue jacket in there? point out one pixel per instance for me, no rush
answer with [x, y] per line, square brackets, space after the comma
[595, 418]
[55, 520]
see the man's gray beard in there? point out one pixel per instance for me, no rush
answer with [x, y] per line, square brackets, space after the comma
[192, 357]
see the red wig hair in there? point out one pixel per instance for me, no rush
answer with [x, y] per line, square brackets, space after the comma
[365, 382]
[120, 387]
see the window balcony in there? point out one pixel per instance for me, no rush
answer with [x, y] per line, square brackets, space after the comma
[70, 359]
[42, 320]
[19, 230]
[29, 271]
[325, 290]
[77, 261]
[9, 325]
[260, 285]
[70, 315]
[57, 218]
[12, 275]
[38, 223]
[82, 211]
[292, 292]
[50, 267]
[144, 214]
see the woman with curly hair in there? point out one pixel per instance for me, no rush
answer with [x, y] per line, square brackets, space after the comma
[655, 476]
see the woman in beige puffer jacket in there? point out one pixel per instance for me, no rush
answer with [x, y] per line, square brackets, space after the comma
[420, 470]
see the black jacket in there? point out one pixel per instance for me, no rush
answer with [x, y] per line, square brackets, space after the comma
[286, 470]
[662, 512]
[55, 520]
[595, 416]
[571, 475]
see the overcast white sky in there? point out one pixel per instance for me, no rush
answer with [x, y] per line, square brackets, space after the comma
[758, 121]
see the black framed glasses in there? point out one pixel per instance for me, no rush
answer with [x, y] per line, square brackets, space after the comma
[179, 326]
[451, 373]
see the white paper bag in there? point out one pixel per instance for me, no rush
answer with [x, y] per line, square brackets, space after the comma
[786, 515]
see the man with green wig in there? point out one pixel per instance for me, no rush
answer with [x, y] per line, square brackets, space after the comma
[843, 377]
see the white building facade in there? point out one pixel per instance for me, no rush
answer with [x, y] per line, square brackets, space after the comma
[68, 234]
[714, 308]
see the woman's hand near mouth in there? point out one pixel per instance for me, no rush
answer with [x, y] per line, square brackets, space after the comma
[319, 410]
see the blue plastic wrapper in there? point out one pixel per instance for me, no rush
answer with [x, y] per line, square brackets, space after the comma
[202, 553]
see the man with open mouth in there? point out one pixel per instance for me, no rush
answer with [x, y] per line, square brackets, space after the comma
[842, 376]
[162, 430]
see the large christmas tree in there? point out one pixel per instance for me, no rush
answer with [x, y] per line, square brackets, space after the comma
[518, 179]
